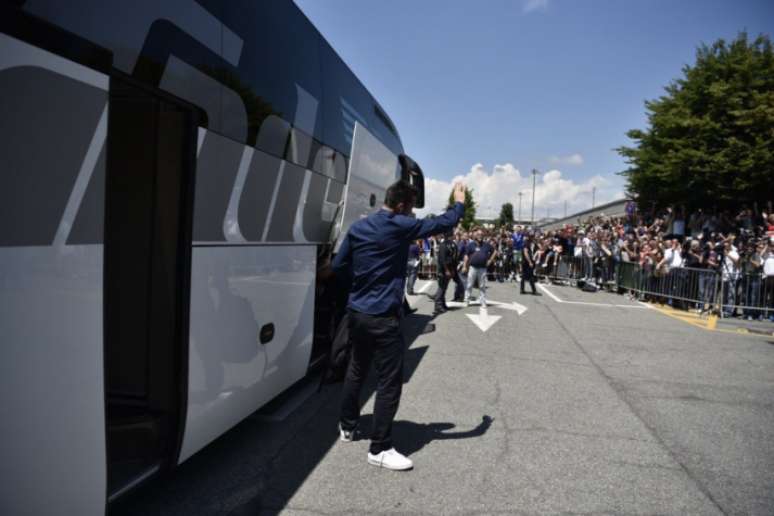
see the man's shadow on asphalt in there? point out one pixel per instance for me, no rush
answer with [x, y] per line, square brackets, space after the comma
[412, 437]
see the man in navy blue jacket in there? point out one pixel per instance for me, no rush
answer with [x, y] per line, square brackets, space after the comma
[374, 254]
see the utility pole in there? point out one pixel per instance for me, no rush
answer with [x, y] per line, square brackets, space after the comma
[520, 194]
[532, 217]
[565, 209]
[593, 196]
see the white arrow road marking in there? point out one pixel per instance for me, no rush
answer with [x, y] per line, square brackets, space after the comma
[483, 320]
[513, 305]
[516, 307]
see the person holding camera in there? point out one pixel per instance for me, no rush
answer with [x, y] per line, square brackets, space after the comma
[729, 268]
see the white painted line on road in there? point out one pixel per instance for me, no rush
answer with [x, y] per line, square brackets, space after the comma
[550, 294]
[420, 290]
[607, 305]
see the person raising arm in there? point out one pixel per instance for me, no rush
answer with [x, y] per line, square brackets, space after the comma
[374, 254]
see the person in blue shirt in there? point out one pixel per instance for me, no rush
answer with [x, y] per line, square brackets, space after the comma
[478, 258]
[374, 255]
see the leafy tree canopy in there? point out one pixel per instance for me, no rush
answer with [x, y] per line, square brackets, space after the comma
[506, 216]
[710, 138]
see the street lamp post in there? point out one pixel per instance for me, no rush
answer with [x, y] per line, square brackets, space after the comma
[520, 194]
[534, 175]
[593, 196]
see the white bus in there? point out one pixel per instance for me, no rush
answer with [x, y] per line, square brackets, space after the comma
[173, 171]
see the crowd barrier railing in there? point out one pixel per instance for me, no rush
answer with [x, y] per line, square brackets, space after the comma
[560, 269]
[427, 268]
[692, 288]
[571, 269]
[749, 295]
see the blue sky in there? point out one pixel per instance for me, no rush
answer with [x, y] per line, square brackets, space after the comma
[487, 90]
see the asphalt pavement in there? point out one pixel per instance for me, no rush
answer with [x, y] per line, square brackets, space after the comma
[585, 403]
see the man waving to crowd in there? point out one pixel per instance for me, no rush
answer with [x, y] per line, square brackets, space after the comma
[374, 255]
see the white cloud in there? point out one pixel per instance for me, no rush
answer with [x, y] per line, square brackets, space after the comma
[493, 189]
[575, 160]
[535, 5]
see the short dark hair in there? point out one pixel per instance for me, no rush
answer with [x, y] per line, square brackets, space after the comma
[400, 192]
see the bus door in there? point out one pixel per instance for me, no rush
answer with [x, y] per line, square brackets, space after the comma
[151, 156]
[372, 169]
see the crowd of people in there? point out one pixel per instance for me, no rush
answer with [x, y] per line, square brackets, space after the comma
[706, 260]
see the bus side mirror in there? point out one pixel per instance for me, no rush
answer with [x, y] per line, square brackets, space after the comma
[410, 171]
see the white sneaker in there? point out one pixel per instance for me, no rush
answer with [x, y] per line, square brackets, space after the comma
[390, 459]
[467, 302]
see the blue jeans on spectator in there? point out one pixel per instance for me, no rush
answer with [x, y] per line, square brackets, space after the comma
[752, 295]
[588, 267]
[411, 274]
[706, 289]
[729, 297]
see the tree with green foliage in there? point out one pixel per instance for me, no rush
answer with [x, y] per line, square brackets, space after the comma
[710, 138]
[506, 216]
[469, 219]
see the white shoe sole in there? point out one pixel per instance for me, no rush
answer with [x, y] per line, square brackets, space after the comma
[379, 464]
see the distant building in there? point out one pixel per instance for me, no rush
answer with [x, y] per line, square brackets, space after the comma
[611, 209]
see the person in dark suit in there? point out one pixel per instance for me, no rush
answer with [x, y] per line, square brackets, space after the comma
[528, 264]
[447, 270]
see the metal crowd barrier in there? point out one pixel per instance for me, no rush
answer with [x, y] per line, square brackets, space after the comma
[571, 269]
[427, 268]
[748, 295]
[692, 288]
[560, 269]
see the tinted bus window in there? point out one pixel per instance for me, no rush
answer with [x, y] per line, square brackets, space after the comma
[279, 68]
[346, 102]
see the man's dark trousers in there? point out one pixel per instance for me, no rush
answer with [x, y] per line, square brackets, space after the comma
[376, 337]
[459, 286]
[440, 294]
[527, 275]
